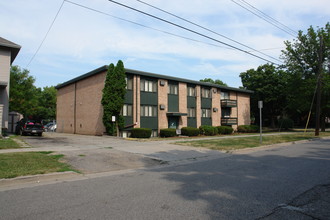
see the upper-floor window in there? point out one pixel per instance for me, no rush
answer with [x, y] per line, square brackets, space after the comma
[126, 110]
[206, 93]
[129, 83]
[206, 113]
[191, 91]
[226, 112]
[148, 111]
[224, 95]
[191, 112]
[148, 85]
[172, 89]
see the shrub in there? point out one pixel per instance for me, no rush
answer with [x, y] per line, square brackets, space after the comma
[248, 128]
[167, 132]
[141, 133]
[285, 123]
[208, 130]
[225, 130]
[189, 131]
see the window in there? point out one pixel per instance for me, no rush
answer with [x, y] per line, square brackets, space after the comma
[127, 110]
[129, 83]
[206, 93]
[206, 113]
[226, 112]
[148, 85]
[191, 112]
[148, 111]
[190, 91]
[224, 95]
[172, 89]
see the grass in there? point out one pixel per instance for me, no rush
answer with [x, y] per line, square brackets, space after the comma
[30, 163]
[8, 143]
[227, 144]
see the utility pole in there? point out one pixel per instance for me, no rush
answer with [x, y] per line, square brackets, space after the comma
[319, 88]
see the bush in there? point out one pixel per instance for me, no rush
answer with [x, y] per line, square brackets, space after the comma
[167, 132]
[141, 133]
[285, 123]
[189, 131]
[208, 130]
[225, 130]
[248, 128]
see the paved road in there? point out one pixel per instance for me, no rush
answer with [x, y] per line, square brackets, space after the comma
[250, 185]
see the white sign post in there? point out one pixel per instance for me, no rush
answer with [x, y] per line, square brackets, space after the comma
[260, 105]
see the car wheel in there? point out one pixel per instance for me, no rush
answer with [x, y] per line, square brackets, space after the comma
[40, 134]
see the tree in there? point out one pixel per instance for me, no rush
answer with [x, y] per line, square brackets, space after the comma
[113, 97]
[27, 99]
[306, 58]
[217, 81]
[269, 85]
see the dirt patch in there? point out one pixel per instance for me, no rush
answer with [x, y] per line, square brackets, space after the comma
[104, 160]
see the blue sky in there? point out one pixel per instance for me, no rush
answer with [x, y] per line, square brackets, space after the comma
[82, 40]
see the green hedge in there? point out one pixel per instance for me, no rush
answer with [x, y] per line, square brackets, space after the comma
[189, 131]
[248, 128]
[167, 132]
[141, 133]
[208, 130]
[225, 130]
[285, 123]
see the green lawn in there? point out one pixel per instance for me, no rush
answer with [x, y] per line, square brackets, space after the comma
[8, 143]
[30, 163]
[227, 144]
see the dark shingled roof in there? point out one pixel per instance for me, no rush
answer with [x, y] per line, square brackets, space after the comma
[14, 48]
[153, 75]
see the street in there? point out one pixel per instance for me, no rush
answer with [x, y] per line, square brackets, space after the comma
[247, 185]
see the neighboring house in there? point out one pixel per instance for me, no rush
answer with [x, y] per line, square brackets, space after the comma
[152, 101]
[8, 53]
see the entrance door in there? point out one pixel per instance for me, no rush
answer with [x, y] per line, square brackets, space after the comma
[173, 122]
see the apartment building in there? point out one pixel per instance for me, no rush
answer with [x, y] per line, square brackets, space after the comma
[152, 101]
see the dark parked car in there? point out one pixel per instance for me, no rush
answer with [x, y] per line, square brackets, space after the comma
[25, 127]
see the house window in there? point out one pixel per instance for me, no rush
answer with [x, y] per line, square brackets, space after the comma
[226, 112]
[127, 110]
[191, 112]
[206, 93]
[129, 83]
[172, 89]
[206, 113]
[148, 111]
[191, 91]
[148, 86]
[224, 95]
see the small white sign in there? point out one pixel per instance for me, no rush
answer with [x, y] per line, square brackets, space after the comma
[113, 118]
[260, 105]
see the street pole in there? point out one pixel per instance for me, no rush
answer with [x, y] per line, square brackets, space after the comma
[319, 89]
[260, 107]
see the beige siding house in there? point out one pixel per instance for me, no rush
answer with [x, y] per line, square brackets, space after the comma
[8, 53]
[152, 101]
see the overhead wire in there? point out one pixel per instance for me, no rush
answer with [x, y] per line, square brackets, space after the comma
[190, 30]
[207, 29]
[269, 17]
[142, 25]
[263, 18]
[43, 40]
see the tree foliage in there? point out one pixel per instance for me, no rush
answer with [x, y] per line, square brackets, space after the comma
[269, 85]
[27, 99]
[305, 59]
[113, 97]
[217, 81]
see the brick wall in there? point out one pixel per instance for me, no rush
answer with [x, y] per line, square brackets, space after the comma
[162, 100]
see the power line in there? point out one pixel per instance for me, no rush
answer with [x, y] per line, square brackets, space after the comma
[50, 27]
[142, 25]
[192, 31]
[267, 16]
[263, 18]
[207, 29]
